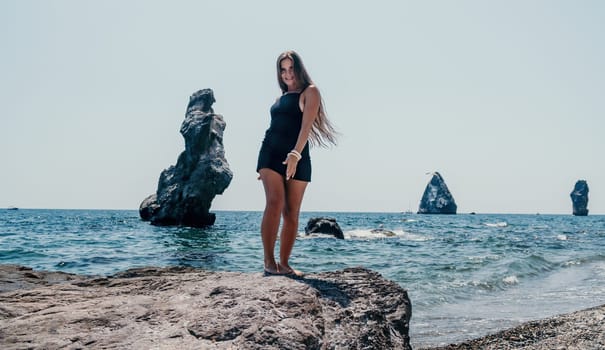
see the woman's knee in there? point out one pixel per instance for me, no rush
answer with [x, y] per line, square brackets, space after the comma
[274, 203]
[290, 216]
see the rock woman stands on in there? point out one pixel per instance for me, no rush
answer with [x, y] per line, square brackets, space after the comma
[284, 164]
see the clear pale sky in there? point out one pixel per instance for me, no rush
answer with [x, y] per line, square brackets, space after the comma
[504, 98]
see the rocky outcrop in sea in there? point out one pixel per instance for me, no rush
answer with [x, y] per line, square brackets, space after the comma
[186, 308]
[437, 198]
[324, 225]
[185, 191]
[579, 198]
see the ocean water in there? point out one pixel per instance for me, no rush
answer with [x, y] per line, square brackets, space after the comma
[466, 275]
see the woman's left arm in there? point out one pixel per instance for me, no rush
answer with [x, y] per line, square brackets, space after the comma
[311, 100]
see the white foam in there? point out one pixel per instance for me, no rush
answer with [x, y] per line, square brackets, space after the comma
[414, 237]
[511, 279]
[302, 235]
[497, 224]
[561, 237]
[368, 234]
[482, 258]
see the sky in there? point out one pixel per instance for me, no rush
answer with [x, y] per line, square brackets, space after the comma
[503, 98]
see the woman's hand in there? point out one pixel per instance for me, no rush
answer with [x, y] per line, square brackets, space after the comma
[291, 162]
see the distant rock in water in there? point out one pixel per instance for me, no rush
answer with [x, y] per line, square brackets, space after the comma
[324, 225]
[437, 198]
[185, 191]
[579, 198]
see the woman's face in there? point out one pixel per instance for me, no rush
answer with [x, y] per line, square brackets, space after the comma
[287, 73]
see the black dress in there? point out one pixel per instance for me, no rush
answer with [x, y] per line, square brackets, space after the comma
[281, 137]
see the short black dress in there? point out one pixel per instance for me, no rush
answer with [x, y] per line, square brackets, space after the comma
[281, 137]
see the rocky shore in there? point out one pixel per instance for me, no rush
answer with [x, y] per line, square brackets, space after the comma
[581, 330]
[186, 308]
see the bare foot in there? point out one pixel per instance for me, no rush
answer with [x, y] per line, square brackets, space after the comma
[287, 270]
[272, 269]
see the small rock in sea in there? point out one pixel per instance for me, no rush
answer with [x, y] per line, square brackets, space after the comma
[437, 198]
[324, 225]
[579, 198]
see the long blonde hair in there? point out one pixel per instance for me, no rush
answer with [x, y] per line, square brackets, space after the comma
[322, 133]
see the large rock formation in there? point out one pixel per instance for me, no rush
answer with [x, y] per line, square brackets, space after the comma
[579, 198]
[185, 308]
[437, 198]
[324, 225]
[185, 191]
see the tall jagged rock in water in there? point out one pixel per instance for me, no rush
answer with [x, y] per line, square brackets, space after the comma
[437, 198]
[185, 191]
[579, 198]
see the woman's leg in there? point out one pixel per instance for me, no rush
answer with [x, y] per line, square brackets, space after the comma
[295, 190]
[275, 196]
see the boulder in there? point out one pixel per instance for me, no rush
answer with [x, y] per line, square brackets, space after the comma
[149, 207]
[186, 308]
[186, 190]
[437, 198]
[579, 198]
[324, 225]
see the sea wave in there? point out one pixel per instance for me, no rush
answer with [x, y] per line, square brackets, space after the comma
[369, 234]
[512, 279]
[497, 224]
[531, 266]
[383, 233]
[584, 260]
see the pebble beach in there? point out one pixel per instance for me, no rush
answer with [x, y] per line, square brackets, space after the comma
[583, 329]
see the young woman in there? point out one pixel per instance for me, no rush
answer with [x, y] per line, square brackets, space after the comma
[284, 164]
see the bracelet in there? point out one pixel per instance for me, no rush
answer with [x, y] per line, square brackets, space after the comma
[296, 154]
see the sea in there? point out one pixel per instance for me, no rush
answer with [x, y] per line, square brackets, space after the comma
[466, 275]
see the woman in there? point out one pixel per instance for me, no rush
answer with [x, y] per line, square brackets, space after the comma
[284, 164]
